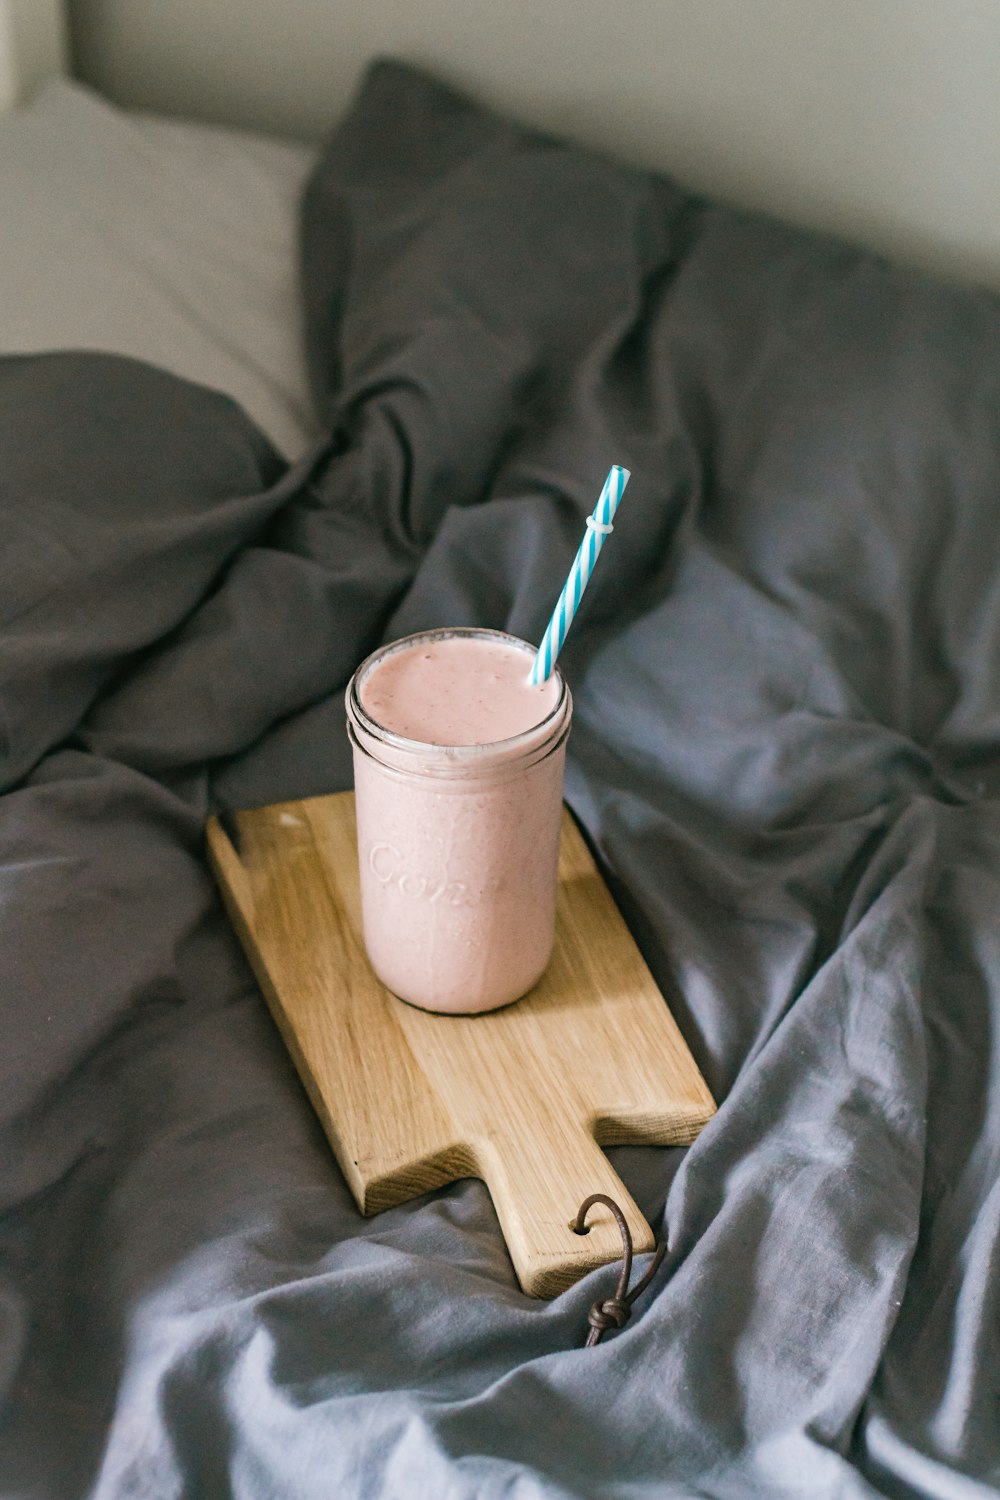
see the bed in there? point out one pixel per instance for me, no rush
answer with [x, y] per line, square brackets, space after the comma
[265, 405]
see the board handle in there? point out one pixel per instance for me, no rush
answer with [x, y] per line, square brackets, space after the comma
[537, 1188]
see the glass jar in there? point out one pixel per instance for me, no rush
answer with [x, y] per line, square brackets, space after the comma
[458, 849]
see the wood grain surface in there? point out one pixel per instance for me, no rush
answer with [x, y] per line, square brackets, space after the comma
[522, 1097]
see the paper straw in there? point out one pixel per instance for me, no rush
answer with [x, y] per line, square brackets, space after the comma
[598, 527]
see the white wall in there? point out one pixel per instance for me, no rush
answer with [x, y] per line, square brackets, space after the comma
[879, 119]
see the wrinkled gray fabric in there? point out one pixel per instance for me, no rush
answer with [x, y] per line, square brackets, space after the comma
[786, 751]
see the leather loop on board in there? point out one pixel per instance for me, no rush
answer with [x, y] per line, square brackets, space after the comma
[615, 1311]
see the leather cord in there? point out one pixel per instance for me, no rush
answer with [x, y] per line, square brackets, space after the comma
[615, 1311]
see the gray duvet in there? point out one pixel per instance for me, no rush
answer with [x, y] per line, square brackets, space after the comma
[786, 753]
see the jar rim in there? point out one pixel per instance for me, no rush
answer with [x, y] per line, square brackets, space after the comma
[535, 735]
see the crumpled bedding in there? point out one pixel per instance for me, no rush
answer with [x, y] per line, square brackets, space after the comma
[786, 754]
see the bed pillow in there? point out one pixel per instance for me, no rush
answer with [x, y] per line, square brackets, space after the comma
[167, 241]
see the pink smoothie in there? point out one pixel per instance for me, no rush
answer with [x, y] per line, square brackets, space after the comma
[459, 807]
[462, 690]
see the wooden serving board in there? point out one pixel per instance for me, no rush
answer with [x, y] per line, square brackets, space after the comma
[522, 1097]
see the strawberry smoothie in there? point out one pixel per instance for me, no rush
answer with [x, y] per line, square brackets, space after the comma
[458, 772]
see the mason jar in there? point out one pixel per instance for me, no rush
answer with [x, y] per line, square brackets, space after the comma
[458, 848]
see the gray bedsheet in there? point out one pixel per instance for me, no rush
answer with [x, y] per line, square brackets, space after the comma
[786, 752]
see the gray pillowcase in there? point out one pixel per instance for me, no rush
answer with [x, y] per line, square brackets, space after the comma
[167, 241]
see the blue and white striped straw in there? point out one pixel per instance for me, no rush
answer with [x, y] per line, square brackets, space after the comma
[598, 527]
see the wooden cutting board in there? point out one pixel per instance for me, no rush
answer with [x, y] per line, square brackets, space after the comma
[522, 1097]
